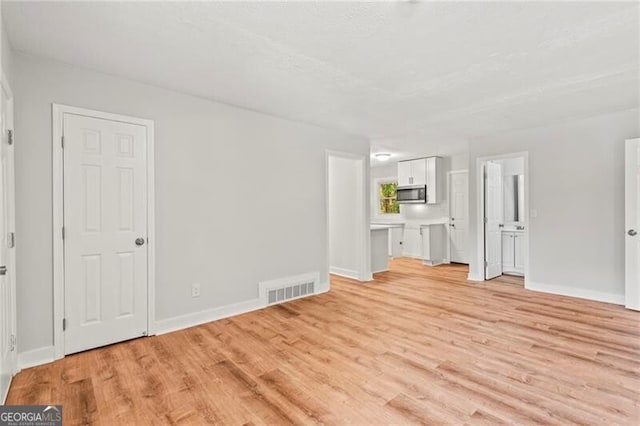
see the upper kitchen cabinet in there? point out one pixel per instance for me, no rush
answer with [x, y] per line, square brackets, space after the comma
[405, 173]
[422, 171]
[412, 172]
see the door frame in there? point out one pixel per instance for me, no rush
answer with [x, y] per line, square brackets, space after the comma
[11, 264]
[364, 272]
[58, 112]
[631, 204]
[449, 175]
[480, 202]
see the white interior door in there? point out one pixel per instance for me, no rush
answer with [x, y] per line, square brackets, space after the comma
[8, 358]
[458, 216]
[105, 231]
[632, 221]
[492, 220]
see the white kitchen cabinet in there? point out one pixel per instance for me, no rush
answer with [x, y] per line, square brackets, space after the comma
[507, 251]
[405, 173]
[422, 171]
[412, 243]
[396, 236]
[433, 174]
[513, 252]
[518, 248]
[433, 244]
[412, 172]
[419, 171]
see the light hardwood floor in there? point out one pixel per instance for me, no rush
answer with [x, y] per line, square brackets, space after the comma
[417, 345]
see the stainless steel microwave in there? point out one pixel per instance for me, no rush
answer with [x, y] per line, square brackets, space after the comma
[413, 194]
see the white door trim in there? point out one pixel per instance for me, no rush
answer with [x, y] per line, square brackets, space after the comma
[480, 273]
[631, 290]
[11, 264]
[364, 272]
[449, 173]
[58, 112]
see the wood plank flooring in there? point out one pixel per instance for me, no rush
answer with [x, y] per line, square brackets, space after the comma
[416, 346]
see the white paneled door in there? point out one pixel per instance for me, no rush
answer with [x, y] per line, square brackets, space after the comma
[632, 221]
[493, 215]
[105, 231]
[459, 218]
[7, 260]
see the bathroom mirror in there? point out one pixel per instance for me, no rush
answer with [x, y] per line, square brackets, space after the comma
[513, 198]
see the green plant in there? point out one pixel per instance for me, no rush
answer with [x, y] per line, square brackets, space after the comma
[388, 202]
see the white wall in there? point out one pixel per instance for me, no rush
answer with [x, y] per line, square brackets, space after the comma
[345, 216]
[6, 56]
[576, 186]
[388, 170]
[457, 161]
[512, 166]
[240, 196]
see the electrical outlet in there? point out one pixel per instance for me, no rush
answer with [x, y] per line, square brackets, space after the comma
[195, 290]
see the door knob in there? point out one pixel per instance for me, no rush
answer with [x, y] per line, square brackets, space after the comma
[453, 218]
[3, 270]
[453, 225]
[139, 241]
[632, 232]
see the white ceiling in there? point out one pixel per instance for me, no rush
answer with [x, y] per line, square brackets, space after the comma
[411, 76]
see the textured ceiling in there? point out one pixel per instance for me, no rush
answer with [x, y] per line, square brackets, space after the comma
[405, 74]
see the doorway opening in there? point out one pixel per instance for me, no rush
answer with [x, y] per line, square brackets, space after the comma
[503, 214]
[348, 251]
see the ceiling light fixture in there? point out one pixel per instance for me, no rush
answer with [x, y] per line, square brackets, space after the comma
[382, 156]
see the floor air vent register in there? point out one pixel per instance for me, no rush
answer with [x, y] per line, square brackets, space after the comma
[285, 289]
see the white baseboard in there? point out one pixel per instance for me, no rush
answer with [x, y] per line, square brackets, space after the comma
[347, 273]
[411, 255]
[323, 288]
[46, 354]
[35, 357]
[354, 275]
[196, 318]
[3, 400]
[474, 277]
[581, 293]
[367, 277]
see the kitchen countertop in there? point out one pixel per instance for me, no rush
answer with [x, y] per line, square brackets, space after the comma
[377, 226]
[429, 222]
[386, 225]
[433, 223]
[413, 224]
